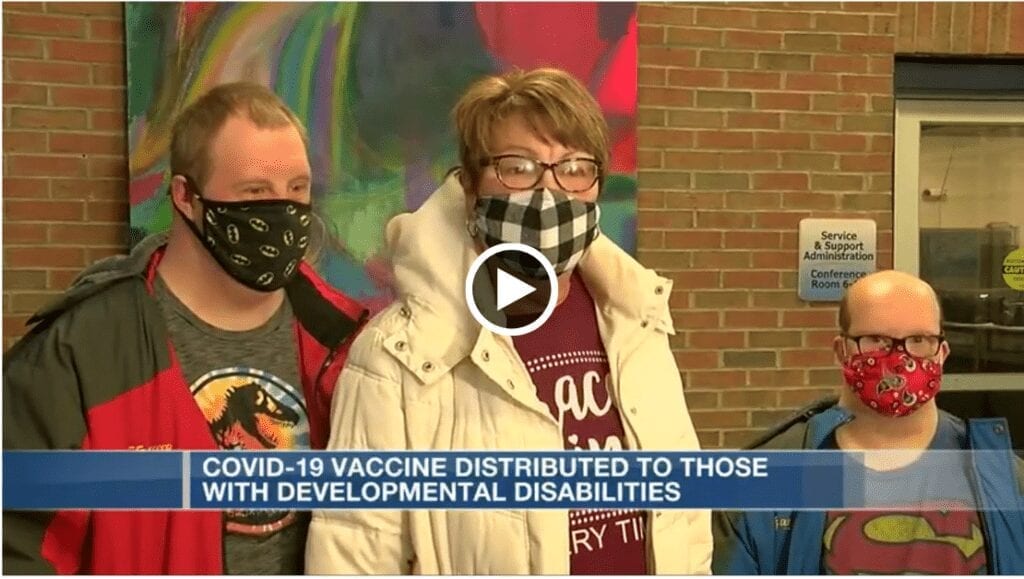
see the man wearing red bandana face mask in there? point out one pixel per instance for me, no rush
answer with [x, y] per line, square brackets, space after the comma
[930, 512]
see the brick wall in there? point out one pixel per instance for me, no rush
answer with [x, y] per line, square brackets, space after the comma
[752, 116]
[65, 198]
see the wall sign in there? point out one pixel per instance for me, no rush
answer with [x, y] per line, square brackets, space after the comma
[834, 253]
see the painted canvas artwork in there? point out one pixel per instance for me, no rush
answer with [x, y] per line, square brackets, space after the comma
[374, 84]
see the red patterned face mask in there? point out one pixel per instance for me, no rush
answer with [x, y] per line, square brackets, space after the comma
[893, 383]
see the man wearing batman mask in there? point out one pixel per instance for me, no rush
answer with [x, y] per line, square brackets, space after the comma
[215, 336]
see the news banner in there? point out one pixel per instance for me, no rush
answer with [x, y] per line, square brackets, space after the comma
[426, 480]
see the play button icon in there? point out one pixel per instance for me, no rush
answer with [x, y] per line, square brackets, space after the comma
[504, 301]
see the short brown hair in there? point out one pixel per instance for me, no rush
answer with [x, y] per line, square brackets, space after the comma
[552, 102]
[196, 126]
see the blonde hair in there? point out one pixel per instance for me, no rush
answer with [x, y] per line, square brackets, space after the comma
[196, 126]
[553, 103]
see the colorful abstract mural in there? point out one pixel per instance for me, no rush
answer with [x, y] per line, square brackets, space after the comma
[374, 83]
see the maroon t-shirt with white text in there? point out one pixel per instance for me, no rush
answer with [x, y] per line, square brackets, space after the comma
[569, 365]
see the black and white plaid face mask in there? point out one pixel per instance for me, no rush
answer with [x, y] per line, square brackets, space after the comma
[558, 225]
[258, 243]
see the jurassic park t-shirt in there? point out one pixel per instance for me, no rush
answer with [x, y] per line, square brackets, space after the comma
[936, 529]
[247, 385]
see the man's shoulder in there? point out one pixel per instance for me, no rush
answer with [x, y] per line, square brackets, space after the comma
[791, 432]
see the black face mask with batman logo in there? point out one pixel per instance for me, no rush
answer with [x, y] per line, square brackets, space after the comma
[258, 243]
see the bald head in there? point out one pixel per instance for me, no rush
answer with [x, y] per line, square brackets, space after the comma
[891, 303]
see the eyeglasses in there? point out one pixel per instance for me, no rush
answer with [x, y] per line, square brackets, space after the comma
[522, 173]
[920, 346]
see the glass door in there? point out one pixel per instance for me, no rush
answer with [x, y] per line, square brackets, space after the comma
[958, 217]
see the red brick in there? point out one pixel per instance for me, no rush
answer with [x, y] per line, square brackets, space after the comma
[809, 122]
[696, 320]
[113, 9]
[807, 358]
[20, 46]
[87, 143]
[702, 37]
[691, 200]
[781, 181]
[650, 34]
[44, 166]
[45, 118]
[693, 240]
[721, 259]
[91, 97]
[671, 14]
[839, 142]
[108, 167]
[107, 120]
[733, 439]
[691, 160]
[86, 234]
[754, 80]
[97, 253]
[809, 81]
[112, 30]
[753, 120]
[648, 159]
[696, 77]
[709, 439]
[750, 279]
[751, 319]
[867, 44]
[24, 142]
[665, 97]
[815, 318]
[24, 233]
[802, 397]
[688, 360]
[715, 340]
[783, 141]
[881, 65]
[720, 419]
[693, 279]
[806, 200]
[650, 239]
[795, 161]
[811, 42]
[755, 40]
[751, 201]
[776, 378]
[775, 260]
[60, 279]
[703, 119]
[85, 51]
[842, 23]
[784, 21]
[779, 220]
[725, 139]
[43, 25]
[667, 56]
[724, 18]
[44, 211]
[43, 257]
[107, 211]
[839, 102]
[666, 219]
[33, 280]
[18, 188]
[42, 71]
[866, 163]
[646, 76]
[699, 400]
[1016, 40]
[750, 160]
[717, 379]
[92, 189]
[24, 94]
[724, 220]
[751, 239]
[749, 399]
[783, 101]
[25, 7]
[726, 59]
[867, 84]
[840, 63]
[979, 28]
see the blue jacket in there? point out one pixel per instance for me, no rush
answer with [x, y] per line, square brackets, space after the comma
[790, 542]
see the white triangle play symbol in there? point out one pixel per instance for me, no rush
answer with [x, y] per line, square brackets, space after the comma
[511, 290]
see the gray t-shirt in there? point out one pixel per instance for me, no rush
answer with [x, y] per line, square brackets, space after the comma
[248, 386]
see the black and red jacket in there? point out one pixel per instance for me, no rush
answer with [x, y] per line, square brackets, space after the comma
[98, 372]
